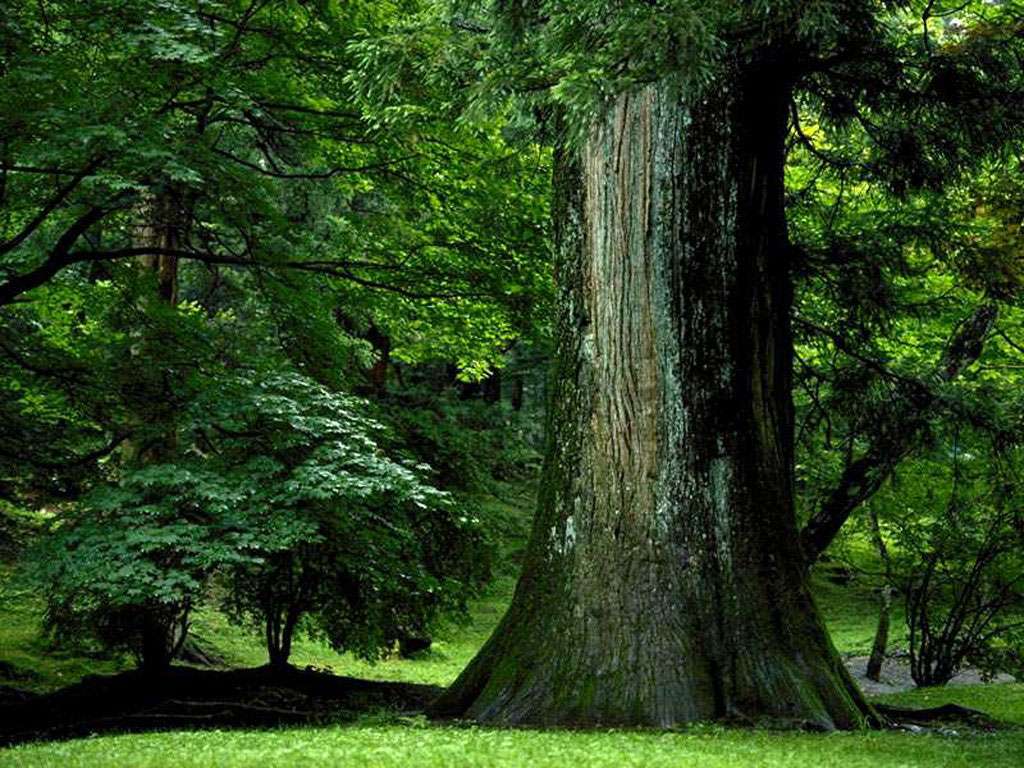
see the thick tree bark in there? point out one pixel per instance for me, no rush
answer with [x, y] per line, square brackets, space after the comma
[664, 582]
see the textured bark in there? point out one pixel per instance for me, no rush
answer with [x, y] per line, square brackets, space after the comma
[164, 230]
[663, 582]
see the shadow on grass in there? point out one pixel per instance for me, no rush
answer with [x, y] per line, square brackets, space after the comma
[185, 697]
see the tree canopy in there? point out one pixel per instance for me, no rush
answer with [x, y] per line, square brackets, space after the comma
[285, 285]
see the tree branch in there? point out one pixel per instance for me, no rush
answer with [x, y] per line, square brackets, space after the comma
[59, 258]
[864, 476]
[51, 205]
[13, 288]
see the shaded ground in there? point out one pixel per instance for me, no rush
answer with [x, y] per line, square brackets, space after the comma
[190, 698]
[187, 697]
[896, 678]
[412, 743]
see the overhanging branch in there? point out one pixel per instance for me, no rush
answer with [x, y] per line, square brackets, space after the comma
[865, 475]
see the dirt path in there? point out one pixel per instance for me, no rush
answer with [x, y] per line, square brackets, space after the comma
[896, 676]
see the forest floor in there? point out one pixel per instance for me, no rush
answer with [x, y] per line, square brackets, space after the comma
[390, 736]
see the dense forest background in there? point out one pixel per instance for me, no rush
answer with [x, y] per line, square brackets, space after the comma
[278, 319]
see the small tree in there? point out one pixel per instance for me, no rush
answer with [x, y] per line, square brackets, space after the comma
[959, 562]
[356, 546]
[966, 602]
[127, 567]
[282, 490]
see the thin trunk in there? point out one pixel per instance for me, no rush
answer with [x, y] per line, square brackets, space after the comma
[163, 634]
[288, 633]
[516, 396]
[491, 387]
[279, 641]
[379, 370]
[663, 583]
[162, 227]
[881, 643]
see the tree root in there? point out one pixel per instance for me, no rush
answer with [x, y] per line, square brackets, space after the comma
[905, 718]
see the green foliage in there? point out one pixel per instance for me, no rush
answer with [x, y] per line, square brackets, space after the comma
[17, 528]
[141, 547]
[324, 169]
[957, 529]
[281, 473]
[355, 541]
[470, 444]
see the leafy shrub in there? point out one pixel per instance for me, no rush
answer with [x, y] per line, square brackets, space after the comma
[131, 561]
[282, 492]
[963, 581]
[367, 552]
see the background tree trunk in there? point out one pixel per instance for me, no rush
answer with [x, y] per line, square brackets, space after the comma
[881, 642]
[664, 583]
[154, 434]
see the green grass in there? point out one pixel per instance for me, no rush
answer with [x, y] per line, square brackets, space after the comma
[420, 745]
[40, 666]
[850, 612]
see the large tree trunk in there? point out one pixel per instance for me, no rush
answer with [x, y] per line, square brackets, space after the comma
[664, 582]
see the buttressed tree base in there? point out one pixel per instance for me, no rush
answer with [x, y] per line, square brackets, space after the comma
[664, 582]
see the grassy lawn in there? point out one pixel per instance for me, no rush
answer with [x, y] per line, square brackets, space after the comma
[384, 741]
[416, 744]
